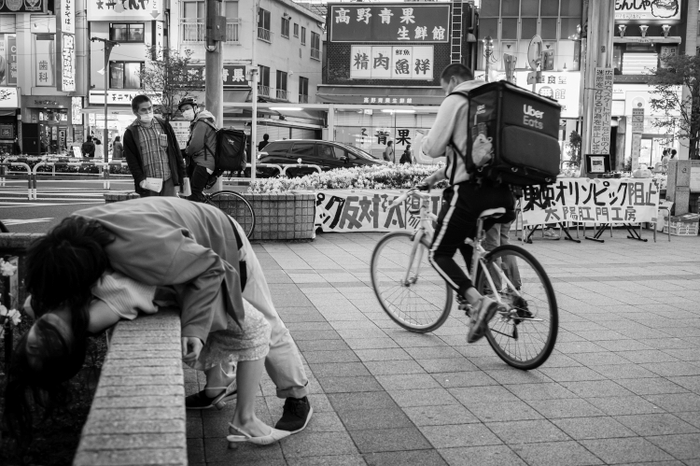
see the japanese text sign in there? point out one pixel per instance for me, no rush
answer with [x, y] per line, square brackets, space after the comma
[341, 210]
[389, 23]
[112, 10]
[602, 103]
[586, 200]
[662, 10]
[66, 16]
[368, 62]
[76, 108]
[66, 68]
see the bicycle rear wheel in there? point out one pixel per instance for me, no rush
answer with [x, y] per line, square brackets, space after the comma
[525, 333]
[408, 288]
[235, 206]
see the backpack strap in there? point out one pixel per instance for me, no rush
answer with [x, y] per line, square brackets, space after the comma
[206, 147]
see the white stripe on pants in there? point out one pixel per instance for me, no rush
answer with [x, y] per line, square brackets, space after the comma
[283, 362]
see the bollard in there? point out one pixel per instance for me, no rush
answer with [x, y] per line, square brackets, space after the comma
[2, 174]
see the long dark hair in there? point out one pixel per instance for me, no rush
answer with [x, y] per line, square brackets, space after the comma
[61, 269]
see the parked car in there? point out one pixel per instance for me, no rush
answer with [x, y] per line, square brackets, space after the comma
[325, 154]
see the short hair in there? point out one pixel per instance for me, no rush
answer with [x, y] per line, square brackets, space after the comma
[63, 266]
[117, 138]
[137, 101]
[673, 152]
[457, 69]
[89, 138]
[266, 136]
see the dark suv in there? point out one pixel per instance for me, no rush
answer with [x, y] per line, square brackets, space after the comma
[325, 154]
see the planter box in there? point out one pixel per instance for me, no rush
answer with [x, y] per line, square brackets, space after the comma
[283, 216]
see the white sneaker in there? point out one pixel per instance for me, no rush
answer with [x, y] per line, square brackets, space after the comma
[486, 310]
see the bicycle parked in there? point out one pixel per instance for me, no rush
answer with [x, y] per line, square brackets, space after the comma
[235, 205]
[524, 330]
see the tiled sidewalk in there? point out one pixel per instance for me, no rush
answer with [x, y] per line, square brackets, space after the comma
[622, 386]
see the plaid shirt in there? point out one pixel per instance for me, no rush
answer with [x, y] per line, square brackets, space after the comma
[155, 158]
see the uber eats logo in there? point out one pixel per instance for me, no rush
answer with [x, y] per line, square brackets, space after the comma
[532, 117]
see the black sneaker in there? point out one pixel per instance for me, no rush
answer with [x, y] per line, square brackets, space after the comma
[200, 400]
[487, 309]
[297, 413]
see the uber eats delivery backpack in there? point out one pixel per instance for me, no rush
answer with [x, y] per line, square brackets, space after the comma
[229, 154]
[512, 135]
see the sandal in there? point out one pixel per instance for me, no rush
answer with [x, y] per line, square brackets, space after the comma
[201, 401]
[275, 435]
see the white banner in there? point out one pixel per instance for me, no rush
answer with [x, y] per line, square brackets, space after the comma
[345, 210]
[368, 62]
[586, 200]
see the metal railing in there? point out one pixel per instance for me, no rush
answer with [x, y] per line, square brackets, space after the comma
[265, 34]
[194, 31]
[264, 90]
[281, 94]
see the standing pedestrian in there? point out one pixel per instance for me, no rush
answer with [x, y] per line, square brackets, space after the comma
[16, 149]
[99, 149]
[389, 154]
[152, 152]
[407, 156]
[117, 148]
[200, 147]
[264, 142]
[88, 148]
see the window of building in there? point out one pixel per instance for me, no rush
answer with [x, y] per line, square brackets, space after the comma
[285, 27]
[529, 27]
[296, 29]
[125, 74]
[303, 35]
[282, 85]
[193, 22]
[315, 45]
[549, 28]
[303, 90]
[264, 25]
[510, 28]
[264, 84]
[510, 7]
[550, 8]
[530, 8]
[126, 32]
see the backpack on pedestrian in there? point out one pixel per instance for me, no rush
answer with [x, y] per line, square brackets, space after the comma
[512, 136]
[229, 154]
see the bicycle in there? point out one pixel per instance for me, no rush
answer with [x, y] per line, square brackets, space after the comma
[236, 206]
[524, 330]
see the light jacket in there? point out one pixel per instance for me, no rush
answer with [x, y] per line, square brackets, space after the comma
[451, 124]
[167, 241]
[202, 136]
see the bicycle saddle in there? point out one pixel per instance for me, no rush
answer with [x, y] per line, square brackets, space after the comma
[493, 213]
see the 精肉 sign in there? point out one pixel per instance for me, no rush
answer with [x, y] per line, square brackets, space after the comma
[368, 62]
[645, 10]
[389, 23]
[588, 200]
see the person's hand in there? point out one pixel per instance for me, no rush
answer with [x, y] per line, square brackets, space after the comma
[143, 184]
[191, 347]
[423, 186]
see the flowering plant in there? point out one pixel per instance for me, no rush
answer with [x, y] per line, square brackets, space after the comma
[367, 177]
[10, 317]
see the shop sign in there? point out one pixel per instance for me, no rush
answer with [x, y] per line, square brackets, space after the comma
[66, 17]
[76, 106]
[368, 62]
[8, 97]
[638, 120]
[564, 87]
[132, 10]
[662, 10]
[602, 103]
[591, 200]
[182, 131]
[11, 59]
[66, 63]
[23, 6]
[231, 75]
[158, 39]
[389, 23]
[44, 61]
[123, 97]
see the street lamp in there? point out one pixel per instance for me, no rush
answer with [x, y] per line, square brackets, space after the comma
[109, 44]
[488, 51]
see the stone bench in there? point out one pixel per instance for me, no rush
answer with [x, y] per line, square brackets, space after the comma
[138, 413]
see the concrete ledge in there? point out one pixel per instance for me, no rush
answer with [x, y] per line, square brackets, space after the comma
[17, 243]
[137, 416]
[119, 196]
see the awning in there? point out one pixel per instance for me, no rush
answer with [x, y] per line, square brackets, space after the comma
[380, 95]
[113, 110]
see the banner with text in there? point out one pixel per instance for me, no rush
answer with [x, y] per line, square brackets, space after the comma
[586, 200]
[345, 210]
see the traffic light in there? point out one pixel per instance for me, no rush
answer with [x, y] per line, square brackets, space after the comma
[548, 62]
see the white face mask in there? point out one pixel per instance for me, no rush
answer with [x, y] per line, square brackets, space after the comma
[146, 117]
[188, 114]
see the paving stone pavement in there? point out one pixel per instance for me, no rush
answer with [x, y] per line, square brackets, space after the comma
[622, 386]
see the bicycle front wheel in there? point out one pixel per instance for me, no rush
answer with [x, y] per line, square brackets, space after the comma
[235, 206]
[523, 335]
[408, 288]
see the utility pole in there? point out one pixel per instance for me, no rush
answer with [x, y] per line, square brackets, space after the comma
[597, 79]
[214, 61]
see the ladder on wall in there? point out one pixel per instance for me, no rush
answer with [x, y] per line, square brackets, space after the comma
[456, 38]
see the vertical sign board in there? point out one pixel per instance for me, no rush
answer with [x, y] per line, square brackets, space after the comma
[602, 102]
[11, 59]
[65, 33]
[76, 110]
[637, 130]
[636, 149]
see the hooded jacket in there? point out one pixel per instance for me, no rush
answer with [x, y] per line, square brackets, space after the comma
[202, 143]
[451, 125]
[132, 154]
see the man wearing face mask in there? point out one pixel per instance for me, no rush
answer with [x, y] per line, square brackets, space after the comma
[200, 147]
[152, 152]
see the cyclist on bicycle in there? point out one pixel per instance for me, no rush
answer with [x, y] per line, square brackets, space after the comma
[464, 199]
[200, 147]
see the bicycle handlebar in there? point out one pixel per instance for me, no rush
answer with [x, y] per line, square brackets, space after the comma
[412, 191]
